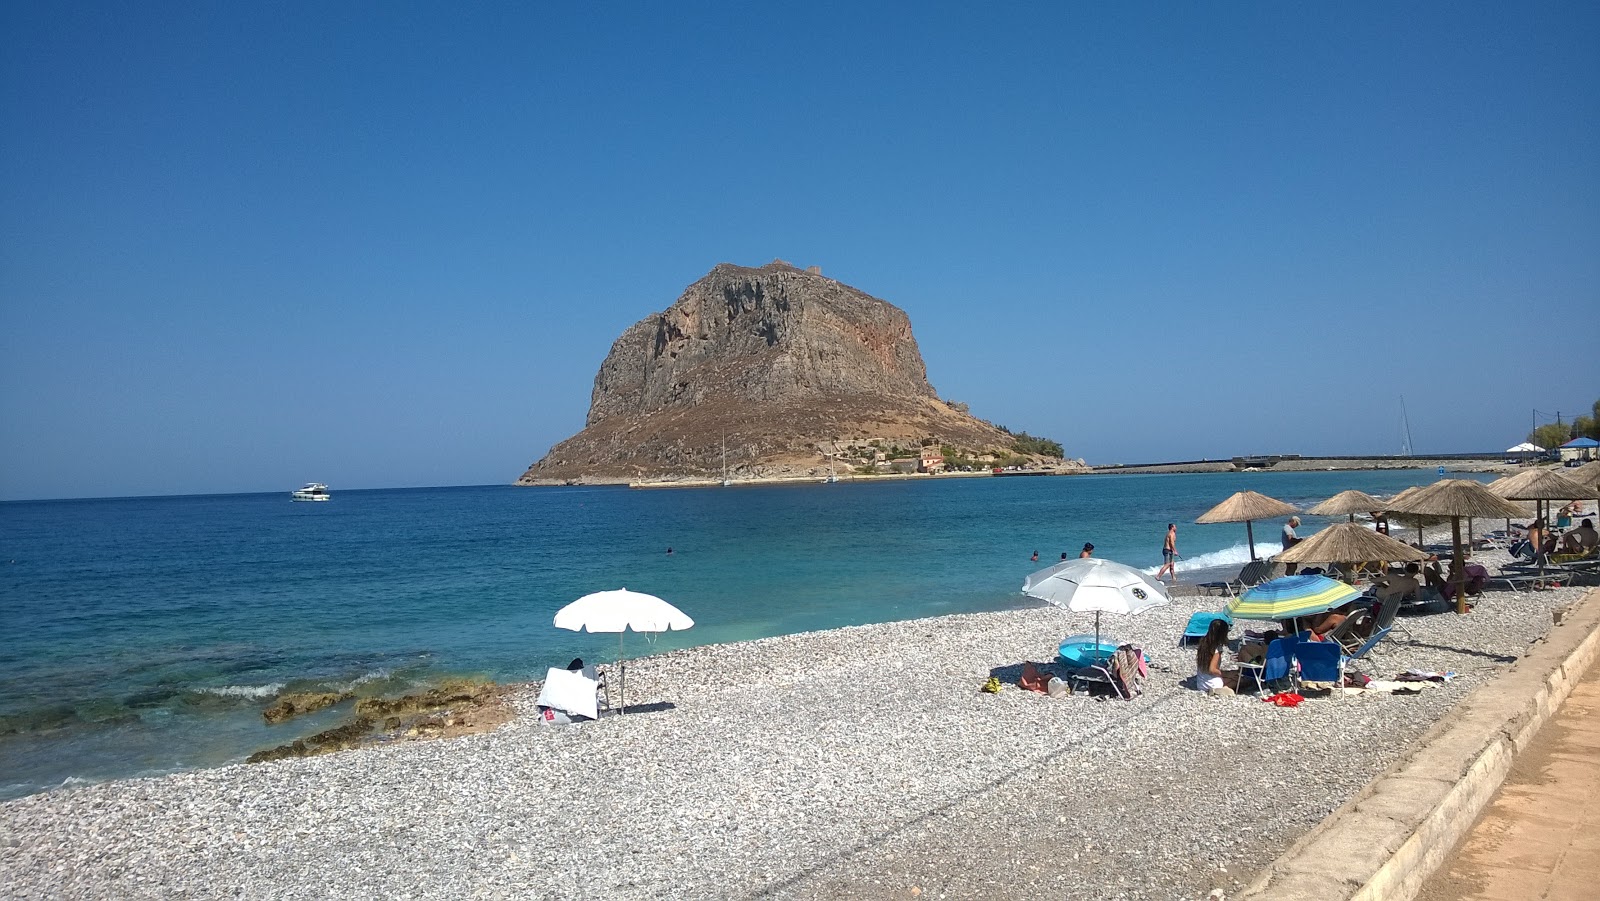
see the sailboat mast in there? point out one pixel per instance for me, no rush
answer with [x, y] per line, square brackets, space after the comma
[1405, 429]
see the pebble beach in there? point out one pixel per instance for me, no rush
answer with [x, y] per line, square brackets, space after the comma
[853, 763]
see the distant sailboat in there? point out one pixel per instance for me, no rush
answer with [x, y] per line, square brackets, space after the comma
[1405, 429]
[832, 476]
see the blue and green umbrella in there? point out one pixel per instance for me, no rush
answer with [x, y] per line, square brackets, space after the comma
[1288, 597]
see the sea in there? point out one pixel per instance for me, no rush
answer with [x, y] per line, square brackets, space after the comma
[141, 636]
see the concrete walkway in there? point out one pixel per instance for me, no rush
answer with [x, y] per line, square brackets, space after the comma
[1540, 836]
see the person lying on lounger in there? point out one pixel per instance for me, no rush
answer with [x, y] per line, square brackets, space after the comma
[1581, 540]
[1404, 587]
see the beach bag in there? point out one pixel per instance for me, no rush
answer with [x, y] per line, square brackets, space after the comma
[1032, 679]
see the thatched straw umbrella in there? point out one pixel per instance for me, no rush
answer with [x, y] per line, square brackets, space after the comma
[1456, 498]
[1349, 542]
[1244, 507]
[1351, 502]
[1541, 486]
[1410, 519]
[1587, 474]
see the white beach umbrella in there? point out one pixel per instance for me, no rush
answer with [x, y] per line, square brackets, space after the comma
[618, 611]
[1094, 585]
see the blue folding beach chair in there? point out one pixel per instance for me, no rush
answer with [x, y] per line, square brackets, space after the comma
[1276, 671]
[1198, 624]
[1369, 647]
[1321, 661]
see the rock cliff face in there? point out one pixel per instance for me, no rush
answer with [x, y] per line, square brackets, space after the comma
[783, 366]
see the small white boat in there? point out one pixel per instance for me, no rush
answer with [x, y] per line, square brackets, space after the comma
[313, 491]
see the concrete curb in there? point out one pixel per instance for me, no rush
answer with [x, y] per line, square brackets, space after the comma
[1384, 844]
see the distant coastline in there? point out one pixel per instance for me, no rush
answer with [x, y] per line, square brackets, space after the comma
[1450, 463]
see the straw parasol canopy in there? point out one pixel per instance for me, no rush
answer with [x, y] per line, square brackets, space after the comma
[1541, 485]
[1350, 542]
[1456, 498]
[1587, 474]
[1244, 507]
[1351, 502]
[1411, 519]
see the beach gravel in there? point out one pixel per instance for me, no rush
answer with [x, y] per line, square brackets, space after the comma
[854, 763]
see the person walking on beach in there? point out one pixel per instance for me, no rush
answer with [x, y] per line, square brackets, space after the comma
[1088, 551]
[1169, 553]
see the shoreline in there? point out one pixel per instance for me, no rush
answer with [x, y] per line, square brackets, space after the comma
[853, 762]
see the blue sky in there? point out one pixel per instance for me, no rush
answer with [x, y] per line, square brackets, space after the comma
[382, 244]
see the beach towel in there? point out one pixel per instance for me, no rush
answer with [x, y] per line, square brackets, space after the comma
[1128, 668]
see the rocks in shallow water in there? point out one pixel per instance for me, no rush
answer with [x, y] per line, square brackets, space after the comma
[292, 705]
[339, 738]
[455, 707]
[450, 693]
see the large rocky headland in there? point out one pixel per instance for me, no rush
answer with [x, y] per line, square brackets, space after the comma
[772, 372]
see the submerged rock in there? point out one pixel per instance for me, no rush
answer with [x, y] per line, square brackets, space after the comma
[292, 705]
[463, 691]
[339, 738]
[456, 707]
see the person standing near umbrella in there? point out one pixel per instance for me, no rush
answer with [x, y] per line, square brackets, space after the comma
[1169, 553]
[1290, 539]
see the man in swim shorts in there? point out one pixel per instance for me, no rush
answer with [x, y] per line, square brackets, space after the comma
[1169, 553]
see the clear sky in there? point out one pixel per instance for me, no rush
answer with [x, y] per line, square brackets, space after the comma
[381, 244]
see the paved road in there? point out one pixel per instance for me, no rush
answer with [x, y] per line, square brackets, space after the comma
[1540, 836]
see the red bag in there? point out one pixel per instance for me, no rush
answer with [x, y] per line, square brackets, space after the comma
[1032, 679]
[1285, 699]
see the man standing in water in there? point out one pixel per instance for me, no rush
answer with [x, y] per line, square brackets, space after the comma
[1169, 553]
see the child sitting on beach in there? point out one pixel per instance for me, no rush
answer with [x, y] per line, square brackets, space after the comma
[1208, 676]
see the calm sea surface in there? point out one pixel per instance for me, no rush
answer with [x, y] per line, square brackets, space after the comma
[145, 635]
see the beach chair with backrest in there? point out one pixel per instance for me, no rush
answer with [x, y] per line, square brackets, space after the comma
[1321, 661]
[1276, 670]
[1387, 618]
[1348, 633]
[1368, 647]
[570, 695]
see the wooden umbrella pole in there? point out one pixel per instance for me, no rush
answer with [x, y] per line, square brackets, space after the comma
[1459, 565]
[1250, 534]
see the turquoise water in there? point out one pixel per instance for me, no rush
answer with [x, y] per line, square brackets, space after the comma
[146, 634]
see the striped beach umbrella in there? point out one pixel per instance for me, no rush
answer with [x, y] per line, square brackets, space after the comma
[1288, 597]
